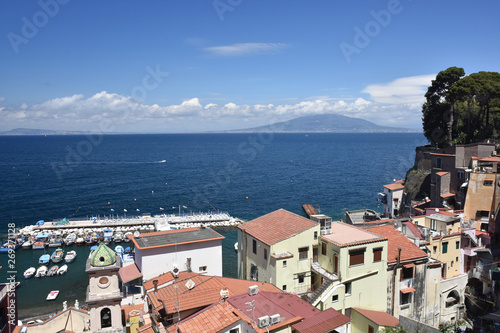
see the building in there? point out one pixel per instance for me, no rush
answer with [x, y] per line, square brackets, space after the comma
[263, 311]
[350, 262]
[392, 198]
[371, 321]
[439, 223]
[8, 307]
[194, 249]
[278, 248]
[189, 292]
[70, 319]
[103, 294]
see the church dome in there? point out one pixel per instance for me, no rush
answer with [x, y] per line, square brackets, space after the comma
[102, 256]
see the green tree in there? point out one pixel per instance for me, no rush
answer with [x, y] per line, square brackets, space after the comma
[438, 110]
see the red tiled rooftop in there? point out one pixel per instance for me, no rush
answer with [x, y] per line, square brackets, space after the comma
[344, 234]
[487, 159]
[129, 273]
[448, 213]
[448, 195]
[277, 226]
[414, 229]
[440, 154]
[323, 321]
[394, 186]
[409, 251]
[442, 173]
[378, 317]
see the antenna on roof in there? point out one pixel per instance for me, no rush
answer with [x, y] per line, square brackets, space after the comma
[251, 307]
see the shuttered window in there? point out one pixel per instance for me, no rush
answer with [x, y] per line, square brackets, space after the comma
[356, 257]
[377, 255]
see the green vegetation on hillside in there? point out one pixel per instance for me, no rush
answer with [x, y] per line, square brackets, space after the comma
[462, 109]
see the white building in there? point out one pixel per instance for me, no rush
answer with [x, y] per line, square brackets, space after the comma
[194, 249]
[391, 198]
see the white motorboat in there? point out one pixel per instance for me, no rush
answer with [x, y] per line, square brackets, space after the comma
[27, 244]
[70, 239]
[41, 271]
[70, 256]
[53, 270]
[62, 270]
[52, 295]
[80, 241]
[29, 272]
[118, 237]
[125, 238]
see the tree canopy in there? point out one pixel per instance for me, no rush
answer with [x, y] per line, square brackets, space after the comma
[462, 109]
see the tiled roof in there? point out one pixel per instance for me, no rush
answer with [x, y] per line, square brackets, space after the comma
[409, 251]
[394, 186]
[378, 317]
[448, 195]
[446, 217]
[414, 229]
[442, 173]
[129, 273]
[146, 329]
[456, 233]
[205, 292]
[323, 321]
[175, 237]
[487, 159]
[439, 154]
[344, 234]
[277, 226]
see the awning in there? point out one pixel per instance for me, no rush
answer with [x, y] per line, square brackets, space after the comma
[447, 195]
[409, 265]
[407, 290]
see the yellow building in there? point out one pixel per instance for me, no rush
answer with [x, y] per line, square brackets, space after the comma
[278, 248]
[447, 250]
[351, 270]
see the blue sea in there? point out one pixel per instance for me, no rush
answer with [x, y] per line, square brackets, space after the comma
[247, 175]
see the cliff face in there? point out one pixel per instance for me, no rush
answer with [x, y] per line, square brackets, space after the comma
[418, 178]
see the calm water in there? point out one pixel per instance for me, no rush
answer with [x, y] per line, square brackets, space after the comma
[248, 175]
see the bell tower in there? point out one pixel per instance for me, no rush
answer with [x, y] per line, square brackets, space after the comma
[103, 294]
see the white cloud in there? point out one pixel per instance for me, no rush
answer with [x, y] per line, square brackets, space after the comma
[2, 99]
[128, 114]
[403, 90]
[243, 49]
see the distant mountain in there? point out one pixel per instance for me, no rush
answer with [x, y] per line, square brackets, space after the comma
[326, 123]
[34, 131]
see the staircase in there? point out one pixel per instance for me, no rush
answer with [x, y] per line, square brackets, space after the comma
[326, 283]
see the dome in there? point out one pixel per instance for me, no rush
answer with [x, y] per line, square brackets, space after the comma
[102, 256]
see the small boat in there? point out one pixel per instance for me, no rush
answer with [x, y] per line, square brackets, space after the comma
[55, 241]
[70, 239]
[70, 256]
[80, 241]
[118, 237]
[125, 238]
[119, 249]
[92, 239]
[44, 259]
[41, 271]
[57, 255]
[52, 270]
[52, 295]
[62, 270]
[236, 247]
[27, 244]
[38, 245]
[29, 272]
[10, 244]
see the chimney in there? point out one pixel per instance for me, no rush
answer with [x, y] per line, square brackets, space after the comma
[155, 283]
[188, 264]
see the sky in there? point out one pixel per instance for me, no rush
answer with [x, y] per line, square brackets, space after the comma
[195, 65]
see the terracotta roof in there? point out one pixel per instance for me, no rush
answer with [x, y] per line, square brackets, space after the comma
[174, 237]
[205, 292]
[438, 154]
[456, 233]
[146, 329]
[407, 290]
[132, 310]
[447, 195]
[414, 229]
[277, 226]
[442, 173]
[378, 317]
[409, 251]
[166, 278]
[323, 321]
[344, 234]
[448, 213]
[394, 186]
[487, 159]
[481, 232]
[129, 273]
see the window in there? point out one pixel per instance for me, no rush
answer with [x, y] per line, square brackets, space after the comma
[323, 249]
[105, 318]
[265, 254]
[356, 257]
[284, 263]
[301, 278]
[452, 263]
[404, 298]
[488, 183]
[303, 253]
[315, 235]
[460, 175]
[482, 213]
[457, 244]
[433, 224]
[406, 273]
[235, 330]
[456, 259]
[445, 247]
[254, 272]
[434, 249]
[439, 163]
[371, 329]
[348, 288]
[284, 287]
[254, 246]
[203, 269]
[335, 298]
[377, 255]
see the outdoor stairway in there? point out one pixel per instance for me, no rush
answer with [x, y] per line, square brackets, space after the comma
[319, 291]
[321, 271]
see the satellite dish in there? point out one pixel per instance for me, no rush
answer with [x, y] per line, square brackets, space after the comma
[190, 284]
[175, 271]
[137, 234]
